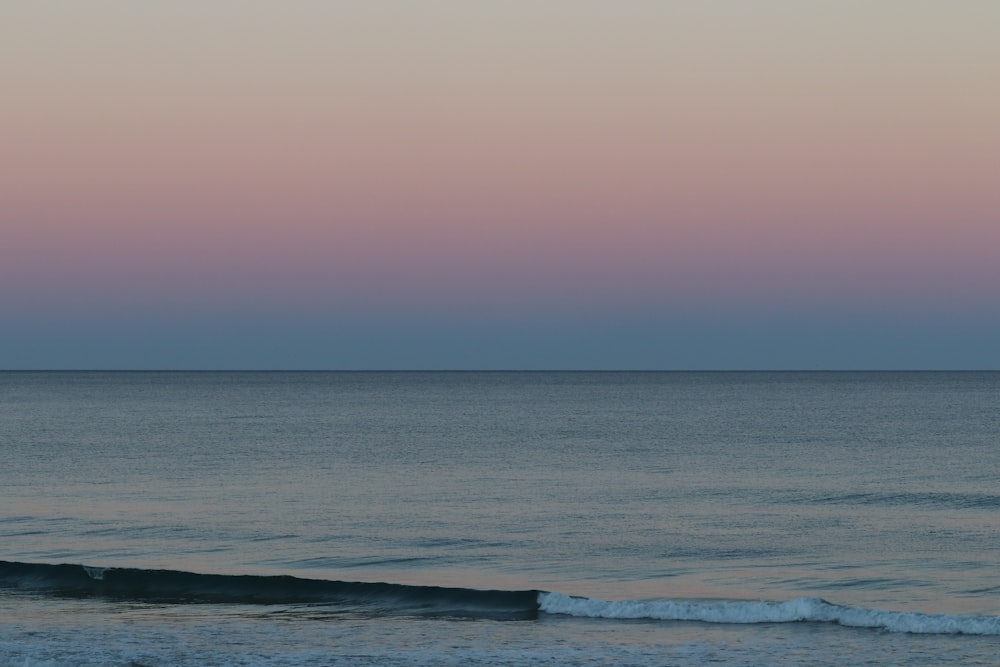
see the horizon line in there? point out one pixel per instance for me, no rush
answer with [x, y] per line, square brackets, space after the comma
[499, 370]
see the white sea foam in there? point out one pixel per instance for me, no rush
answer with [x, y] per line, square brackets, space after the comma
[798, 610]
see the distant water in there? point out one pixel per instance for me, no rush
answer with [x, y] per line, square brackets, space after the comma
[499, 518]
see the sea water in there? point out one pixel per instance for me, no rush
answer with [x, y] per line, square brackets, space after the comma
[161, 518]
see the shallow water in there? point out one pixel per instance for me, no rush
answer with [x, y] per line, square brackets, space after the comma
[649, 494]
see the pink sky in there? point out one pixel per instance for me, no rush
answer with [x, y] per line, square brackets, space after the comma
[544, 159]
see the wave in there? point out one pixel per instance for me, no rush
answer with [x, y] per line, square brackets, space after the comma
[385, 599]
[815, 610]
[172, 586]
[927, 499]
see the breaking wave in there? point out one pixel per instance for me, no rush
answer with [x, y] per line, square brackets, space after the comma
[815, 610]
[385, 599]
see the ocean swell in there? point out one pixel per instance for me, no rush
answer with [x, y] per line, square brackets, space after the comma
[388, 599]
[178, 587]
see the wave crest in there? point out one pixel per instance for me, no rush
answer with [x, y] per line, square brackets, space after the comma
[815, 610]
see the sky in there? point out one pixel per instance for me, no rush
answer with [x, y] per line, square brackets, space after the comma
[544, 184]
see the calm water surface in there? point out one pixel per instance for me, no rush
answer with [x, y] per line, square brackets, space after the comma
[650, 518]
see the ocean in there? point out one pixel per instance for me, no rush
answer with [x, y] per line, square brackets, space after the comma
[499, 518]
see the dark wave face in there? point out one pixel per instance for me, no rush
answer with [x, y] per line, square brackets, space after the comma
[179, 587]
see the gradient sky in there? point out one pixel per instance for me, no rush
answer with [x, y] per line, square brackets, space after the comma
[636, 184]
